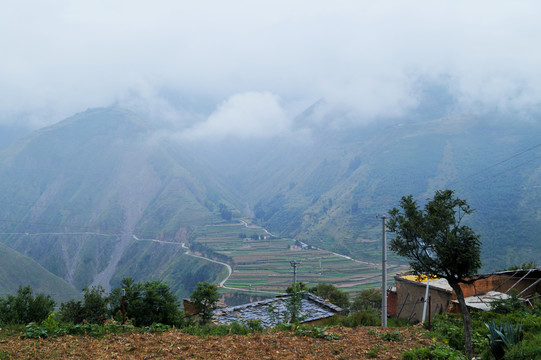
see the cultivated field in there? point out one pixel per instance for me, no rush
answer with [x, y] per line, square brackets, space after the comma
[264, 264]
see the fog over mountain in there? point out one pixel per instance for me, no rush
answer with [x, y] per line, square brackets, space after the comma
[268, 58]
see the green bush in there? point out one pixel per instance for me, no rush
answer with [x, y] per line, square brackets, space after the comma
[528, 349]
[51, 327]
[505, 306]
[204, 299]
[24, 308]
[316, 332]
[332, 293]
[157, 328]
[435, 352]
[93, 309]
[255, 325]
[361, 318]
[449, 329]
[392, 336]
[146, 303]
[239, 329]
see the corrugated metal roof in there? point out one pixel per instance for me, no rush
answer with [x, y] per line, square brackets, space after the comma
[313, 308]
[482, 302]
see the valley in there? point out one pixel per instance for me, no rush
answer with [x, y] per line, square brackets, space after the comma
[262, 263]
[104, 195]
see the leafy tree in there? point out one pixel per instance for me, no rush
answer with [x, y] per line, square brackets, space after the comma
[332, 293]
[95, 305]
[225, 213]
[296, 293]
[72, 312]
[204, 299]
[93, 309]
[368, 299]
[147, 303]
[24, 308]
[436, 242]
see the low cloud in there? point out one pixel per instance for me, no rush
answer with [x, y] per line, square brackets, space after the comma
[246, 115]
[366, 56]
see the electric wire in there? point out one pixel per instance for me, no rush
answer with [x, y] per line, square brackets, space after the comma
[484, 170]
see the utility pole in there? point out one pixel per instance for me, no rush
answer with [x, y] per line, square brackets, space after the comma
[294, 264]
[123, 306]
[427, 296]
[384, 274]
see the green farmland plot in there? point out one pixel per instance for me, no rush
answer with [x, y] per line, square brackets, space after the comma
[262, 262]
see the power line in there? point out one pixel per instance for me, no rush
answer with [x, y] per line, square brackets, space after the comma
[507, 170]
[482, 171]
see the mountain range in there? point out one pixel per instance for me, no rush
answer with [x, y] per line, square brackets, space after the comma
[85, 199]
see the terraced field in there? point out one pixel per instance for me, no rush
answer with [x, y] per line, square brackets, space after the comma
[262, 262]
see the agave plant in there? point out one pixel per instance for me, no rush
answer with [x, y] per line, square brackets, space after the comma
[503, 336]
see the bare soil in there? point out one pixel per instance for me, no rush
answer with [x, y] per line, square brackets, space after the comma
[357, 343]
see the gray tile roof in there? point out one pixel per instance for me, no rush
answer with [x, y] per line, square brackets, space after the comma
[313, 308]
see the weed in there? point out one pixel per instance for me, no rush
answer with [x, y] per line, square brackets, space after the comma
[316, 332]
[373, 353]
[392, 336]
[435, 352]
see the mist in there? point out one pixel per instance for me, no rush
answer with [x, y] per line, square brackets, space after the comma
[216, 69]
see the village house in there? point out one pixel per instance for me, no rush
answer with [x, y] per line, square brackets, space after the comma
[273, 311]
[409, 296]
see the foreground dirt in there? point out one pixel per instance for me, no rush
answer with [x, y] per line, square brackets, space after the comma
[358, 343]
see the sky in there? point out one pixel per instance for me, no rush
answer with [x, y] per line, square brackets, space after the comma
[214, 68]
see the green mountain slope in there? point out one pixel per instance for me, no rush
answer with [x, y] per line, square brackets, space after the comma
[18, 270]
[84, 187]
[102, 195]
[328, 187]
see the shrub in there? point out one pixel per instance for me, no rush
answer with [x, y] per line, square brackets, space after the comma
[527, 349]
[332, 293]
[392, 336]
[255, 325]
[239, 329]
[24, 308]
[146, 303]
[93, 309]
[449, 329]
[361, 318]
[505, 306]
[316, 332]
[204, 298]
[368, 299]
[435, 352]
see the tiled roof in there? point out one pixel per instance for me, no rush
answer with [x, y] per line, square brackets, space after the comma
[313, 308]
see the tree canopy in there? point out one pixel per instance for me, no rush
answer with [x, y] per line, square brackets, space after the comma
[437, 243]
[146, 303]
[330, 292]
[24, 307]
[204, 299]
[434, 239]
